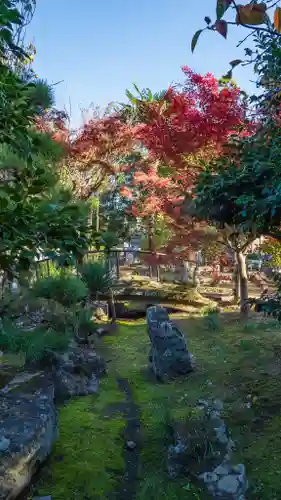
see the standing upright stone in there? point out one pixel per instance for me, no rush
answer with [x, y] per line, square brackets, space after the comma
[169, 356]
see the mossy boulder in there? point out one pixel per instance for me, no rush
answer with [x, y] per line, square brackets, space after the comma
[201, 439]
[28, 422]
[202, 451]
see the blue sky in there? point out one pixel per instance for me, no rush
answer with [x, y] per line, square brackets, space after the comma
[99, 47]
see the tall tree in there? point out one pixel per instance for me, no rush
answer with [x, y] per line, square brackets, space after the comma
[180, 133]
[37, 214]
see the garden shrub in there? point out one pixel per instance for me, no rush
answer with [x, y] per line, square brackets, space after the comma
[97, 277]
[32, 344]
[212, 318]
[83, 323]
[64, 289]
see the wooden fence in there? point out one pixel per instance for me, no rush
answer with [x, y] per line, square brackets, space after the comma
[117, 258]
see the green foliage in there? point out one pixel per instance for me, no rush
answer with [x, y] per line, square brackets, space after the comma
[10, 20]
[109, 240]
[213, 249]
[65, 289]
[17, 111]
[83, 323]
[32, 344]
[272, 247]
[135, 110]
[212, 318]
[162, 234]
[230, 197]
[97, 277]
[35, 213]
[195, 39]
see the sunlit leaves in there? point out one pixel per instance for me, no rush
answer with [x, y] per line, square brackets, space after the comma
[252, 14]
[9, 19]
[277, 19]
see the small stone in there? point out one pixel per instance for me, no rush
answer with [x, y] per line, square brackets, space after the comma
[131, 445]
[179, 448]
[42, 498]
[93, 385]
[218, 405]
[239, 469]
[202, 402]
[228, 484]
[222, 470]
[214, 414]
[4, 444]
[230, 445]
[211, 488]
[208, 477]
[221, 434]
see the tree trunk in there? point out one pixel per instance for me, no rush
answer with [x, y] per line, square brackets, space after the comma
[152, 268]
[195, 277]
[185, 272]
[150, 234]
[98, 216]
[111, 306]
[90, 218]
[158, 273]
[236, 281]
[117, 265]
[243, 278]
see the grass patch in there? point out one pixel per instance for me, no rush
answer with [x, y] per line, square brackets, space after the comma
[87, 461]
[236, 362]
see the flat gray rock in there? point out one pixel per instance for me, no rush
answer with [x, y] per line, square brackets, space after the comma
[28, 429]
[42, 498]
[169, 356]
[228, 484]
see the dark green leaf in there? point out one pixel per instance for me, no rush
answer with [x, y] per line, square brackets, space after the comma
[195, 40]
[6, 35]
[235, 62]
[227, 77]
[222, 6]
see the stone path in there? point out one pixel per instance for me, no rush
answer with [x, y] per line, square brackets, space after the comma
[131, 412]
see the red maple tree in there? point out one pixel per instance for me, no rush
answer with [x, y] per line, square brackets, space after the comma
[187, 128]
[93, 152]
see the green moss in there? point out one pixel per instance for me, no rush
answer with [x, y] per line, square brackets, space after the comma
[89, 448]
[241, 366]
[130, 347]
[235, 364]
[185, 414]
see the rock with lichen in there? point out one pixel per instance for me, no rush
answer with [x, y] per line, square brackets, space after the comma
[28, 429]
[203, 448]
[74, 373]
[169, 356]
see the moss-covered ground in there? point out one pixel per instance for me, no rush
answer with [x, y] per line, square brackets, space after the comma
[235, 362]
